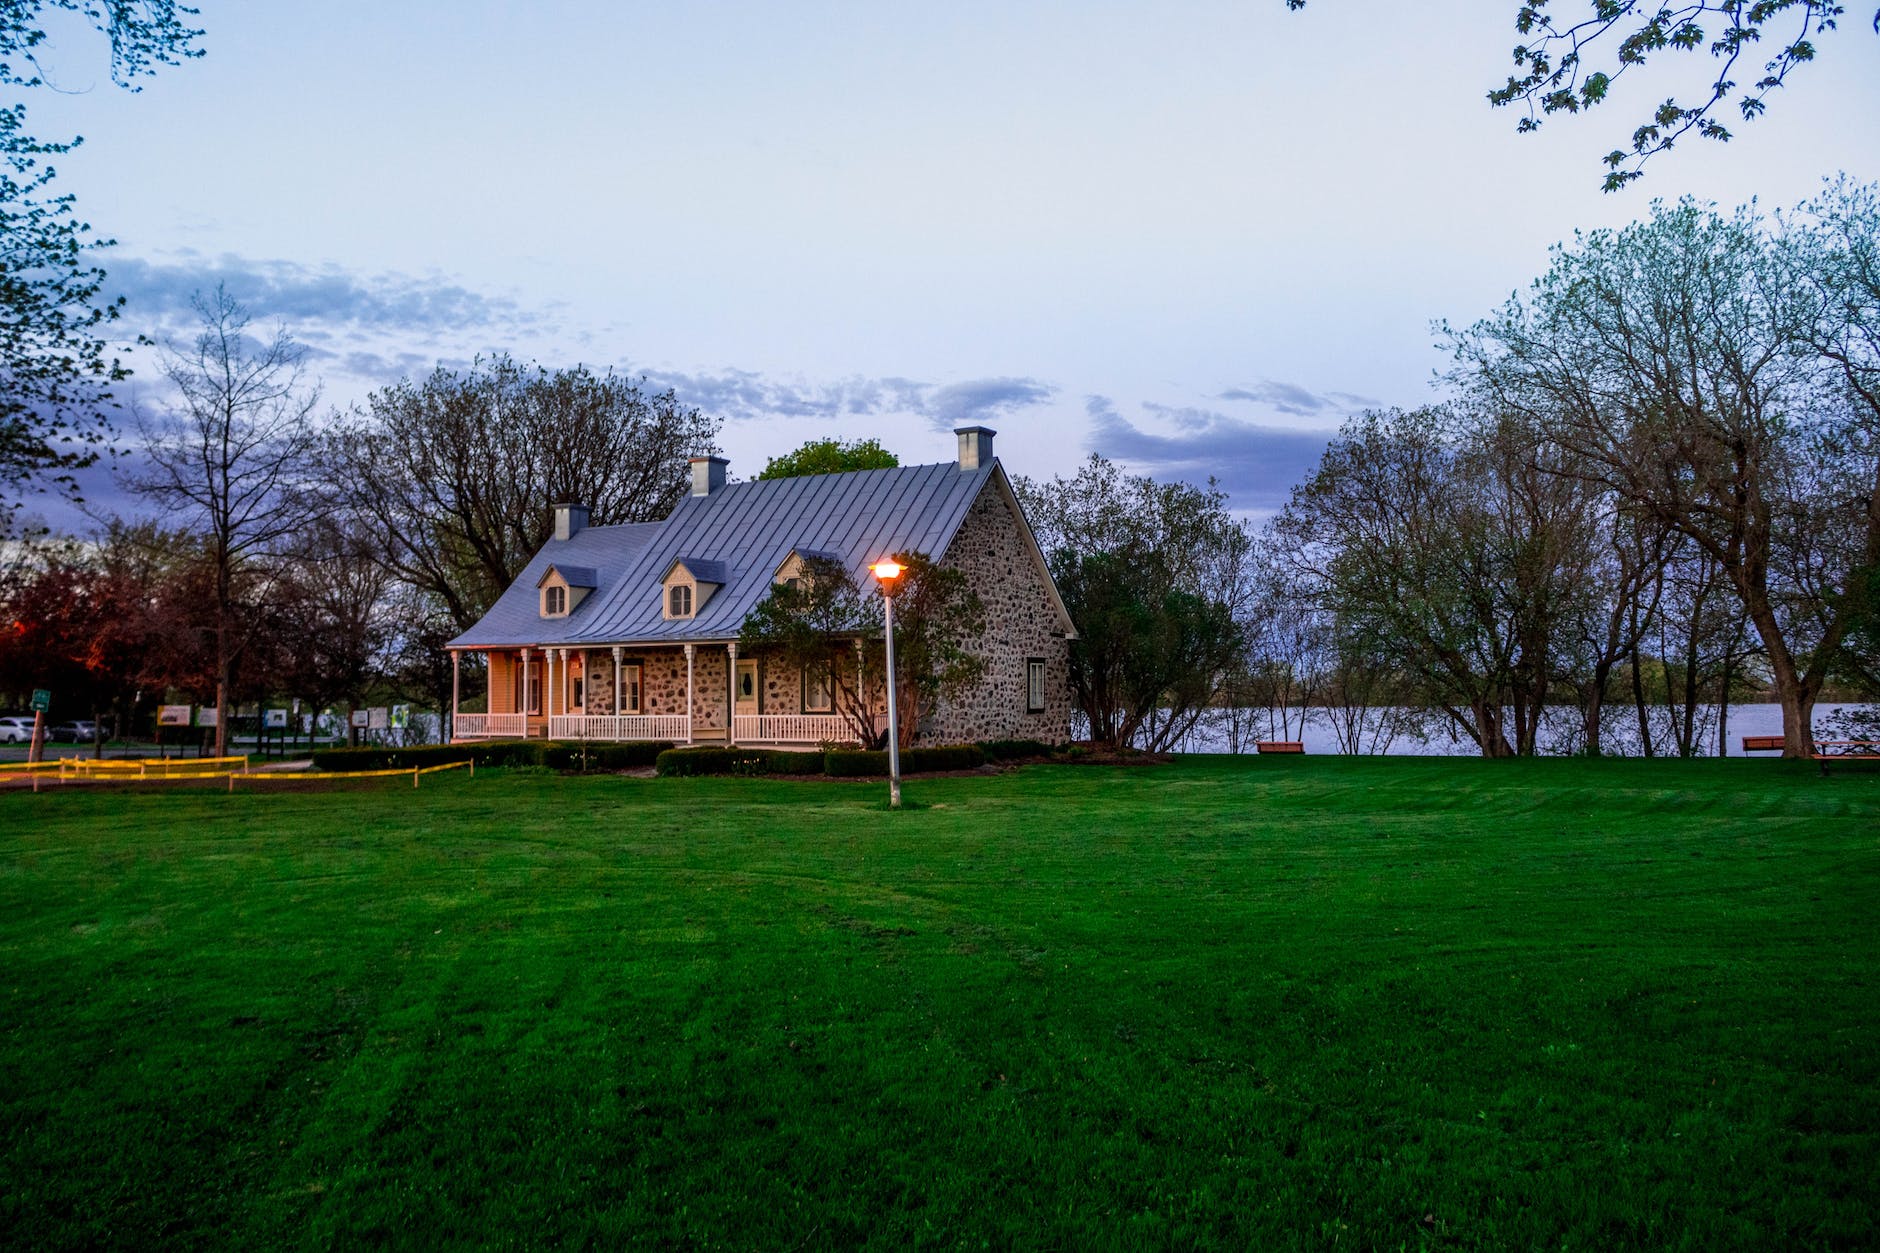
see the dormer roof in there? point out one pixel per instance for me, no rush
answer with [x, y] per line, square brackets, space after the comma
[698, 569]
[573, 576]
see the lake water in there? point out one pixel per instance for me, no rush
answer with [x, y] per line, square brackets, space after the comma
[1619, 733]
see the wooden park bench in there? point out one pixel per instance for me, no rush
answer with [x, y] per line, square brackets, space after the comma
[1279, 746]
[1762, 743]
[1827, 751]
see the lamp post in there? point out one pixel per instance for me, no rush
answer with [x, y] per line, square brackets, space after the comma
[887, 571]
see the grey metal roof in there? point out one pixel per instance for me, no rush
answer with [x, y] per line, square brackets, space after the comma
[752, 527]
[747, 530]
[516, 617]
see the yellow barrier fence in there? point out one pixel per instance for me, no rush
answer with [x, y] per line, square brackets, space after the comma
[146, 770]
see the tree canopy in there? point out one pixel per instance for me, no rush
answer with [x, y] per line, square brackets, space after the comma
[830, 456]
[56, 368]
[1570, 65]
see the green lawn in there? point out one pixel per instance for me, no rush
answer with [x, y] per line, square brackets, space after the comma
[1229, 1003]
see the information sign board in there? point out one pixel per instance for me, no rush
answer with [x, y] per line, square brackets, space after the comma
[381, 718]
[172, 715]
[42, 700]
[401, 717]
[276, 718]
[205, 717]
[360, 719]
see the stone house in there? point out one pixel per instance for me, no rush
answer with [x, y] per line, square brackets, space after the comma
[631, 632]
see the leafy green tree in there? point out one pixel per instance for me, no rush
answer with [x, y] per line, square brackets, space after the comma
[1153, 574]
[1150, 655]
[1570, 65]
[820, 619]
[1682, 360]
[56, 370]
[830, 456]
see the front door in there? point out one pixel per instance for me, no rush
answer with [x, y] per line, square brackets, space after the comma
[747, 689]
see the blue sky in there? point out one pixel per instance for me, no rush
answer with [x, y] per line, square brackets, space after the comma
[1192, 236]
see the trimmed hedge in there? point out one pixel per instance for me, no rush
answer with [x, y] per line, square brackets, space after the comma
[788, 761]
[856, 764]
[556, 754]
[688, 762]
[630, 755]
[567, 755]
[1014, 750]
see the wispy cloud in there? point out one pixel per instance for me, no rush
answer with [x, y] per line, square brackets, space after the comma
[310, 298]
[745, 395]
[1256, 465]
[982, 400]
[1296, 401]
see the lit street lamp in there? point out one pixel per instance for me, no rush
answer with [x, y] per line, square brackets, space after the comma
[887, 571]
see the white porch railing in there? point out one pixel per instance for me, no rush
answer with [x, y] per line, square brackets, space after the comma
[490, 726]
[789, 728]
[674, 727]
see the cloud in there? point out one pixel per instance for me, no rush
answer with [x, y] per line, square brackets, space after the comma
[1290, 398]
[314, 301]
[981, 400]
[746, 395]
[1256, 465]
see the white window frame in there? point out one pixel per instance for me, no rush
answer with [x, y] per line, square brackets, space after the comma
[1035, 695]
[828, 688]
[632, 686]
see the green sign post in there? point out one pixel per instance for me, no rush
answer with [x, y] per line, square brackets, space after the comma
[42, 701]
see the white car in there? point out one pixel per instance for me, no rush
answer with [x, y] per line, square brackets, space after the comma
[16, 730]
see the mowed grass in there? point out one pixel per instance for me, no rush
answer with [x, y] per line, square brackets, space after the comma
[1224, 1003]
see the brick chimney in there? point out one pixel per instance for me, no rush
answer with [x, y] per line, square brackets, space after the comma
[975, 446]
[708, 475]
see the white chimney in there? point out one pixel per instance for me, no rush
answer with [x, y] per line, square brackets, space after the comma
[708, 475]
[570, 518]
[975, 446]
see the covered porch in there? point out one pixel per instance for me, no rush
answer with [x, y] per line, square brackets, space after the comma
[686, 694]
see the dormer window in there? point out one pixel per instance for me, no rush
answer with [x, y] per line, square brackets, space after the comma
[563, 588]
[688, 585]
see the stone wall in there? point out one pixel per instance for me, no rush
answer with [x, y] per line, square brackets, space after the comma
[1021, 623]
[662, 679]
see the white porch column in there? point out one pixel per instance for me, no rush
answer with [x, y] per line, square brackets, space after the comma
[522, 704]
[688, 693]
[861, 687]
[731, 692]
[617, 709]
[456, 691]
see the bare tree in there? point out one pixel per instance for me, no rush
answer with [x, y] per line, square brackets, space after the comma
[458, 471]
[232, 461]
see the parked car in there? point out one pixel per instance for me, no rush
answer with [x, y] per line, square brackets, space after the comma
[16, 730]
[75, 731]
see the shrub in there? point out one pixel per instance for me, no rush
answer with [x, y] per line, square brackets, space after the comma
[1014, 750]
[945, 757]
[853, 765]
[788, 761]
[398, 758]
[686, 762]
[574, 755]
